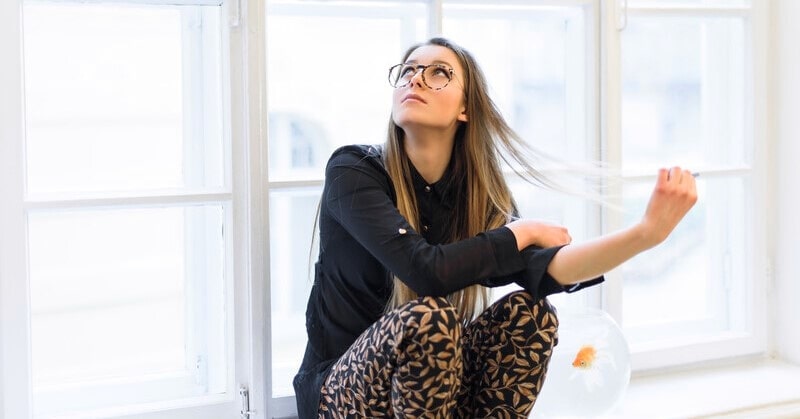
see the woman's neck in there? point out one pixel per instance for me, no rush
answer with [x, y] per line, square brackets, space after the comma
[429, 153]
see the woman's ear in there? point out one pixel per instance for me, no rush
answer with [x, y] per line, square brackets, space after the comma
[463, 115]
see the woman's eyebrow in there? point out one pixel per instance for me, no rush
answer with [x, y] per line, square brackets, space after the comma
[434, 62]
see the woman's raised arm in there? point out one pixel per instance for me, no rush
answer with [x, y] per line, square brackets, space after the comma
[674, 195]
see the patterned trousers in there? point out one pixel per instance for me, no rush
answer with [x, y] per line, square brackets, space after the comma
[415, 362]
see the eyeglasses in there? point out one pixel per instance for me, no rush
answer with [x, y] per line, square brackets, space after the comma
[435, 76]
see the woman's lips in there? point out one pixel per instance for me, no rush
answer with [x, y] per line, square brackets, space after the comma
[413, 97]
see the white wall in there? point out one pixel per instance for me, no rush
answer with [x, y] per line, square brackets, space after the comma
[786, 53]
[10, 127]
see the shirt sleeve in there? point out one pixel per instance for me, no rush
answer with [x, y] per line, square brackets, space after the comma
[358, 196]
[535, 279]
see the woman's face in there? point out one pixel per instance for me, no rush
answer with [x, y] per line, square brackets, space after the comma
[416, 105]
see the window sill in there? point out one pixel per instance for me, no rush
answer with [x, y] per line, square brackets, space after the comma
[761, 389]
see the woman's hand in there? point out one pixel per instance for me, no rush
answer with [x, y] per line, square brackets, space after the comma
[673, 196]
[538, 233]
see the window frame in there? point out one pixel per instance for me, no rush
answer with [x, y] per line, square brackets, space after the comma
[753, 342]
[606, 69]
[15, 384]
[244, 313]
[245, 112]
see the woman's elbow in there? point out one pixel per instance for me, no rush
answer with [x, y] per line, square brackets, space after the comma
[427, 283]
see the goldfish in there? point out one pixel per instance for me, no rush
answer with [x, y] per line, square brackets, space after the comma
[590, 363]
[585, 357]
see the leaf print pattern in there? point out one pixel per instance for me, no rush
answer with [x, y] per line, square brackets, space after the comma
[506, 353]
[415, 363]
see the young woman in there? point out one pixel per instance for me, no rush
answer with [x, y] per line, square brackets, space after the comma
[413, 233]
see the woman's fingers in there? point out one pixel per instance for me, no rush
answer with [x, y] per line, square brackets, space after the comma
[543, 234]
[663, 176]
[553, 235]
[673, 196]
[561, 237]
[675, 175]
[676, 179]
[688, 176]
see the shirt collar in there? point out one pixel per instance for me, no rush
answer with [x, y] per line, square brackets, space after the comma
[443, 189]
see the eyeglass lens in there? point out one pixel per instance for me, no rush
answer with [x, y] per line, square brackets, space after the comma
[434, 76]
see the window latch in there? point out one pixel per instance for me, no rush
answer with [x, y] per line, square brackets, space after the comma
[244, 394]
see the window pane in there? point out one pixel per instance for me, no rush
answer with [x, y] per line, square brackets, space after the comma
[541, 88]
[557, 208]
[683, 98]
[126, 296]
[121, 98]
[685, 102]
[327, 80]
[292, 215]
[695, 282]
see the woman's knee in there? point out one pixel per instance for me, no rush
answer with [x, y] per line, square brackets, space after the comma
[521, 304]
[431, 316]
[522, 297]
[427, 307]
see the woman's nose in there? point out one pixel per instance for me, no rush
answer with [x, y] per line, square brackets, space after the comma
[417, 77]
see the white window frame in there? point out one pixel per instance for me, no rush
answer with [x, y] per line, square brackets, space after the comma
[782, 219]
[610, 20]
[246, 112]
[14, 323]
[248, 312]
[197, 236]
[753, 342]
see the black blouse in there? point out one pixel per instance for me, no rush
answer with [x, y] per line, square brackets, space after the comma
[364, 240]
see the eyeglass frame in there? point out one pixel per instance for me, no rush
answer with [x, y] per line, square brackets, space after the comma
[423, 67]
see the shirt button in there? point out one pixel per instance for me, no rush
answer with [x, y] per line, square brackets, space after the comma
[427, 188]
[425, 228]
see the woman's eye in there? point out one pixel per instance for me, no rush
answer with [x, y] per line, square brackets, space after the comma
[440, 72]
[407, 71]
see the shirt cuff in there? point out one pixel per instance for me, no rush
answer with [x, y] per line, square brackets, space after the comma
[507, 256]
[550, 286]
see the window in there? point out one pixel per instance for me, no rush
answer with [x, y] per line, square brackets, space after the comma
[120, 102]
[125, 192]
[683, 72]
[687, 92]
[163, 163]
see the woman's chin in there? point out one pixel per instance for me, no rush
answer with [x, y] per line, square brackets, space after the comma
[408, 122]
